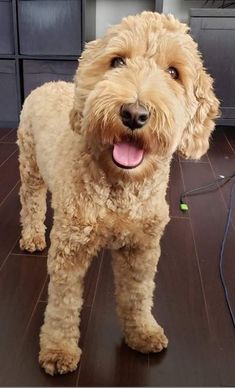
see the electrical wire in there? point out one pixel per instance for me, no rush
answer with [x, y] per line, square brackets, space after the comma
[228, 221]
[219, 182]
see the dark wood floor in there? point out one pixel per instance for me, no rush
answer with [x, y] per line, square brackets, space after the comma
[189, 297]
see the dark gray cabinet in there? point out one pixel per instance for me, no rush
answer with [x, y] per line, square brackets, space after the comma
[158, 5]
[37, 72]
[6, 28]
[9, 97]
[50, 27]
[40, 41]
[214, 30]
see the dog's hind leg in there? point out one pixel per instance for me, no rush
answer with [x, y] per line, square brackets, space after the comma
[134, 270]
[32, 194]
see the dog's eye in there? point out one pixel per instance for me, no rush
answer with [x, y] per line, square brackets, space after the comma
[118, 62]
[173, 72]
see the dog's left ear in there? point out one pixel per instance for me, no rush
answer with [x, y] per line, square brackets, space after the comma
[75, 120]
[83, 80]
[195, 140]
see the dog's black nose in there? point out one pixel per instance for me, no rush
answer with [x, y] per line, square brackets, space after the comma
[134, 115]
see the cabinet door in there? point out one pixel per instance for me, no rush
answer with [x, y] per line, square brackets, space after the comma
[158, 5]
[37, 72]
[8, 93]
[50, 27]
[216, 40]
[6, 28]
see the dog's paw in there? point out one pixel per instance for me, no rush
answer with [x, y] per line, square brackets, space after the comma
[32, 244]
[59, 361]
[150, 340]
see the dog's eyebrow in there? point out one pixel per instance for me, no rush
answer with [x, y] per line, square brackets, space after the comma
[125, 42]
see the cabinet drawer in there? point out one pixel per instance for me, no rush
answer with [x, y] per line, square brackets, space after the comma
[50, 27]
[8, 92]
[37, 72]
[216, 41]
[6, 28]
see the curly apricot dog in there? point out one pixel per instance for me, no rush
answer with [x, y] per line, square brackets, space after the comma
[104, 150]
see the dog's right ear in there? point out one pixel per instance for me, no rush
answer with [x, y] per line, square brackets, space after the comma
[195, 139]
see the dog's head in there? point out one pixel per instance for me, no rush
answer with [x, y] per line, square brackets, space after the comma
[141, 93]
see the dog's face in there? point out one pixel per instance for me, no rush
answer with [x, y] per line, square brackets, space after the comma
[141, 94]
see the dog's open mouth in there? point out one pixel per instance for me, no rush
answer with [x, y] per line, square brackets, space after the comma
[127, 155]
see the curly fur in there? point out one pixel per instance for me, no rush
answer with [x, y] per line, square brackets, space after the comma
[66, 135]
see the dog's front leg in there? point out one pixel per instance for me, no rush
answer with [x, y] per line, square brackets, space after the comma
[134, 271]
[68, 262]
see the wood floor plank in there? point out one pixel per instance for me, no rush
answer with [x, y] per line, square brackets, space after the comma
[229, 267]
[4, 132]
[9, 176]
[220, 153]
[106, 360]
[11, 137]
[208, 216]
[230, 135]
[180, 309]
[44, 294]
[91, 280]
[21, 281]
[6, 150]
[9, 223]
[222, 159]
[204, 159]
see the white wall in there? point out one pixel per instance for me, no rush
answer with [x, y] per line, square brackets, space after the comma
[112, 11]
[180, 8]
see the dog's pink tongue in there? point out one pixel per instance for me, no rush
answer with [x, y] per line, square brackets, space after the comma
[127, 154]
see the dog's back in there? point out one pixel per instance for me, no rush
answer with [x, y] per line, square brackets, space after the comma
[44, 124]
[46, 110]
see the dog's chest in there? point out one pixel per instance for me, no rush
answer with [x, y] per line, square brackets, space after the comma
[125, 219]
[118, 231]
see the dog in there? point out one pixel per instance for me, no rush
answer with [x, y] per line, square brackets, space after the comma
[103, 146]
